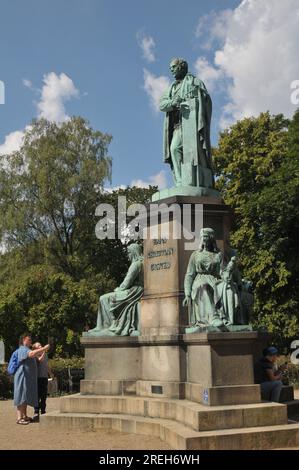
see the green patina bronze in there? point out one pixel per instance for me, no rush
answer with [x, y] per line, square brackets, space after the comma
[187, 148]
[216, 296]
[119, 311]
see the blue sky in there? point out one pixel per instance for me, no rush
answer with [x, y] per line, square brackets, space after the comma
[97, 44]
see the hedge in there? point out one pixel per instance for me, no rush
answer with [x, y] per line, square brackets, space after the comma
[60, 368]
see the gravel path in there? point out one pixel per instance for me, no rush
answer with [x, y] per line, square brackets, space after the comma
[13, 436]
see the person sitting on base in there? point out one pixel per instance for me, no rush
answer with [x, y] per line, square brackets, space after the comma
[268, 376]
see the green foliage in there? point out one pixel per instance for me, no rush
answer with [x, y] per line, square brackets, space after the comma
[257, 164]
[50, 188]
[59, 363]
[54, 268]
[59, 368]
[112, 253]
[6, 384]
[51, 305]
[291, 374]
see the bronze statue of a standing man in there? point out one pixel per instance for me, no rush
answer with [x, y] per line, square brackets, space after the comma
[187, 146]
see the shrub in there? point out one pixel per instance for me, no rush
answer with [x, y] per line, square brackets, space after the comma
[6, 384]
[60, 368]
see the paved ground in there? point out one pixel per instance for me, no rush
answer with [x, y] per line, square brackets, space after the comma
[13, 436]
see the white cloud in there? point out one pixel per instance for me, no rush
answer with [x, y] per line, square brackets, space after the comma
[207, 73]
[12, 142]
[27, 83]
[155, 180]
[258, 54]
[212, 27]
[155, 87]
[56, 90]
[159, 180]
[147, 45]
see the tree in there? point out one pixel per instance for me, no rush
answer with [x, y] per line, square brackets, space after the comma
[52, 306]
[53, 268]
[112, 253]
[257, 162]
[49, 190]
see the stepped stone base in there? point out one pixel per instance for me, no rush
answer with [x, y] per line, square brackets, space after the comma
[212, 368]
[181, 423]
[193, 391]
[223, 395]
[108, 387]
[194, 415]
[220, 395]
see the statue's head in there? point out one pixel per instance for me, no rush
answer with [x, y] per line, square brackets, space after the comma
[178, 68]
[134, 251]
[207, 240]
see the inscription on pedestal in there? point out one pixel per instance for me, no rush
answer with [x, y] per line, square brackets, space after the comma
[160, 264]
[160, 253]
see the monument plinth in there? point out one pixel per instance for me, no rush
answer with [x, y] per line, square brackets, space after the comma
[212, 365]
[168, 358]
[208, 368]
[166, 258]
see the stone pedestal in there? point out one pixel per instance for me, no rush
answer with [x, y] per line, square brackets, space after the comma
[166, 258]
[164, 365]
[209, 368]
[220, 368]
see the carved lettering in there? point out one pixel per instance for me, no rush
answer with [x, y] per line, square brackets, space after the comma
[165, 252]
[160, 241]
[158, 266]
